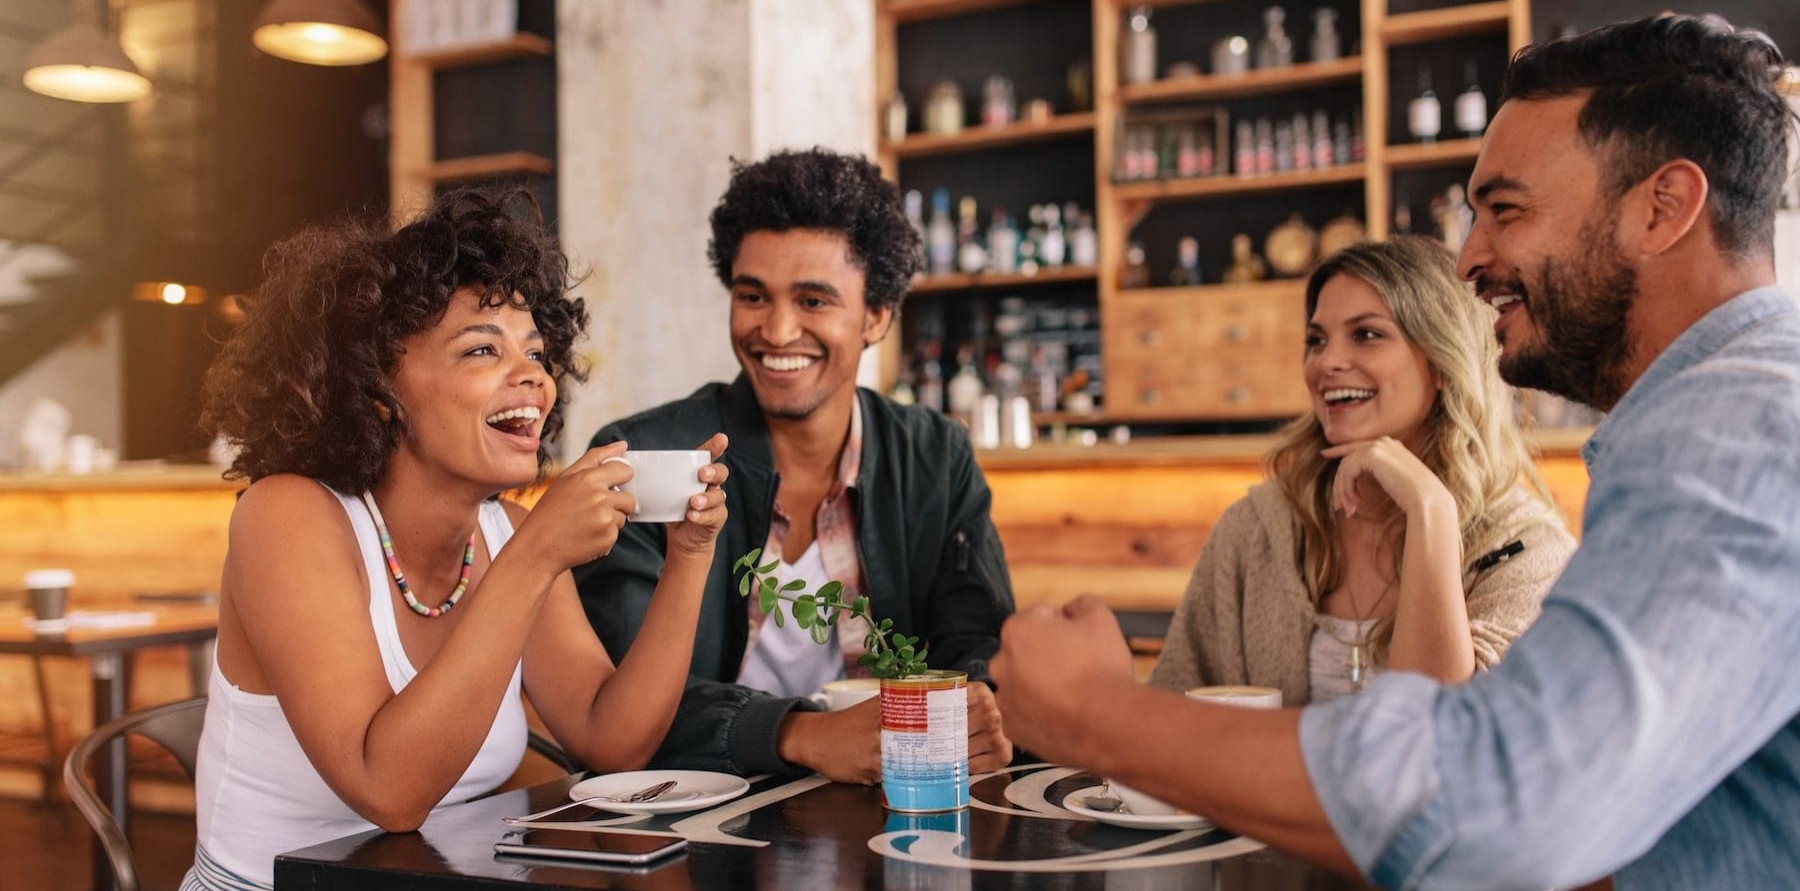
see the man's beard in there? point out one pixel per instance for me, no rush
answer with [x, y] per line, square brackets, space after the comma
[1580, 313]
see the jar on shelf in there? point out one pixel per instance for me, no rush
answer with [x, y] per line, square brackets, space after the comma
[944, 109]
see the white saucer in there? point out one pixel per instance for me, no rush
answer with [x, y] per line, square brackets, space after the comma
[694, 789]
[1076, 803]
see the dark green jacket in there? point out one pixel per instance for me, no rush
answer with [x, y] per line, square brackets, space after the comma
[930, 559]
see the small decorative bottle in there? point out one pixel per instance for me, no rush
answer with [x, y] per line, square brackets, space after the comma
[1137, 48]
[941, 234]
[1187, 265]
[1275, 49]
[1327, 46]
[1321, 134]
[971, 256]
[1084, 243]
[1137, 272]
[1424, 116]
[1243, 160]
[894, 117]
[1471, 104]
[1245, 266]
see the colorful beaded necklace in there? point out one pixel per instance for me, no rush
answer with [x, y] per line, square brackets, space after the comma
[387, 548]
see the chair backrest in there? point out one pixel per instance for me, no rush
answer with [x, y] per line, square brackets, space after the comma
[176, 727]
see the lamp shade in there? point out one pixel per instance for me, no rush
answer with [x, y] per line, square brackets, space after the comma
[319, 32]
[81, 64]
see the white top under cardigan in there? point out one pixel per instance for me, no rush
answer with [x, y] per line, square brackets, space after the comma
[257, 795]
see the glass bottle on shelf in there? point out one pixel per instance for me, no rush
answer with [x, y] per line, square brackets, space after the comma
[1186, 273]
[1471, 105]
[1002, 244]
[931, 378]
[1042, 388]
[915, 214]
[1084, 243]
[1275, 49]
[944, 109]
[1340, 141]
[940, 236]
[1265, 146]
[1136, 273]
[1187, 153]
[1303, 150]
[1055, 248]
[1284, 146]
[1243, 159]
[1327, 46]
[1137, 48]
[971, 257]
[998, 107]
[965, 389]
[1321, 134]
[894, 117]
[1424, 115]
[1245, 266]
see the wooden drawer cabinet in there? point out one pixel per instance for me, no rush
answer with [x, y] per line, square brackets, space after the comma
[1208, 352]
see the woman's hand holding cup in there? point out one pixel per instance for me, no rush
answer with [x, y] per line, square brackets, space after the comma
[579, 516]
[695, 533]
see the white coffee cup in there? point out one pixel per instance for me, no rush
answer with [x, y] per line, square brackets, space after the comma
[663, 481]
[1234, 695]
[839, 695]
[1238, 695]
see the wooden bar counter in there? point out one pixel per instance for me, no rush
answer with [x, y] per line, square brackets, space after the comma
[1127, 522]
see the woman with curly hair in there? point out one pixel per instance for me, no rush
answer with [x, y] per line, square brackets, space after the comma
[1405, 528]
[381, 608]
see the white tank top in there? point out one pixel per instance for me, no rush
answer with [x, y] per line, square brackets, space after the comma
[257, 795]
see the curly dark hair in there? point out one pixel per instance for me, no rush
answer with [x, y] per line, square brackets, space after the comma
[823, 190]
[1677, 86]
[306, 385]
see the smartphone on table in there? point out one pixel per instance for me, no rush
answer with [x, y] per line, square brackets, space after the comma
[597, 847]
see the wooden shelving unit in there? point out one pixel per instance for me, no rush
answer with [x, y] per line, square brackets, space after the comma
[518, 46]
[1062, 126]
[938, 284]
[1220, 186]
[1254, 83]
[415, 169]
[503, 164]
[1418, 156]
[1446, 23]
[1248, 377]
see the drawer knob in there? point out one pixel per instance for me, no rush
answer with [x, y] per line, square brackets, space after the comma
[1150, 397]
[1151, 337]
[1237, 334]
[1237, 395]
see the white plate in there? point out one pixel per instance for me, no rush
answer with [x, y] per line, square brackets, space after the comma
[1075, 802]
[694, 789]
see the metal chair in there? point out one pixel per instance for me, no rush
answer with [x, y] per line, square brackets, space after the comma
[176, 727]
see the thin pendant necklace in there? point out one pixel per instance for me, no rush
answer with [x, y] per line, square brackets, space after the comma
[387, 549]
[1357, 665]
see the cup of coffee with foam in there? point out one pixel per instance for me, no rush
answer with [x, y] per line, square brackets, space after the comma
[663, 481]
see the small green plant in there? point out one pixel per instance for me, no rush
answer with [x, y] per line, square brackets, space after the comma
[887, 653]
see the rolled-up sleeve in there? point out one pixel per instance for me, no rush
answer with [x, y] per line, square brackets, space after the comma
[1663, 661]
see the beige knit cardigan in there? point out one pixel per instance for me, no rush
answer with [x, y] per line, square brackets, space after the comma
[1245, 618]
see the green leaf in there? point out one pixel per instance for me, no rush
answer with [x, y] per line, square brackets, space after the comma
[821, 633]
[744, 585]
[806, 612]
[885, 667]
[831, 589]
[861, 606]
[779, 622]
[768, 567]
[766, 598]
[886, 625]
[906, 654]
[866, 660]
[747, 560]
[794, 585]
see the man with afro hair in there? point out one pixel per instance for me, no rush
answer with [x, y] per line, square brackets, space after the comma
[835, 481]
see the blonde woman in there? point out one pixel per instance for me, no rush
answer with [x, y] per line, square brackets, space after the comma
[1403, 527]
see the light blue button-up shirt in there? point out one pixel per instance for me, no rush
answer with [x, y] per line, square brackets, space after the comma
[1646, 724]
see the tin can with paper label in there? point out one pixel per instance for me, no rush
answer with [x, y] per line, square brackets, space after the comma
[925, 742]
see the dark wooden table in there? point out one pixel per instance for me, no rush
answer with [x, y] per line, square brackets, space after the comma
[812, 835]
[106, 650]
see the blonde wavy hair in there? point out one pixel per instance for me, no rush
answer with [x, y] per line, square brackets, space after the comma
[1472, 439]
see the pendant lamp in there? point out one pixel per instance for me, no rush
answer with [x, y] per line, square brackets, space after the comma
[81, 64]
[319, 32]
